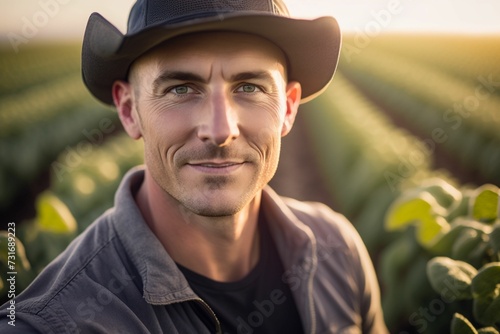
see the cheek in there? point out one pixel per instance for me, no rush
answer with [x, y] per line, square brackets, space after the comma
[264, 134]
[165, 132]
[268, 122]
[162, 120]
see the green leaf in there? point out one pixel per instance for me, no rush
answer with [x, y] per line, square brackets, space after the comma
[461, 208]
[461, 325]
[53, 215]
[446, 195]
[431, 229]
[486, 311]
[487, 330]
[420, 209]
[495, 238]
[466, 243]
[406, 211]
[396, 257]
[25, 273]
[486, 292]
[444, 245]
[21, 261]
[450, 277]
[486, 281]
[485, 203]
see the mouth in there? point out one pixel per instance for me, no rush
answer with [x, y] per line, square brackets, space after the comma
[216, 167]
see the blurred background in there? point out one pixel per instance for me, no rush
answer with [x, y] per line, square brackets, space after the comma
[405, 143]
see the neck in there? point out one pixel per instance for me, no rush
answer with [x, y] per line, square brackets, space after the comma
[224, 249]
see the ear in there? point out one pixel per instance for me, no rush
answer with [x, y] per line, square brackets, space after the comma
[293, 95]
[123, 97]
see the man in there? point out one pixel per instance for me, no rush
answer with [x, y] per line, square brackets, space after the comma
[197, 242]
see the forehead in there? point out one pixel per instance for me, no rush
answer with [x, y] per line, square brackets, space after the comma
[236, 49]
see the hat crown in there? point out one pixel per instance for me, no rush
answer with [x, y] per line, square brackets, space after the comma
[147, 13]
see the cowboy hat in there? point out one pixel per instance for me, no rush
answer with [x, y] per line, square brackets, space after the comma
[310, 46]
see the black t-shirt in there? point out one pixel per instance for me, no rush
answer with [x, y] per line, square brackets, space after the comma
[259, 303]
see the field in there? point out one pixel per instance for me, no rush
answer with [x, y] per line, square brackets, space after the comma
[406, 117]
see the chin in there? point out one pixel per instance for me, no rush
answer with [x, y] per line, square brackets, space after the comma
[220, 209]
[215, 210]
[219, 203]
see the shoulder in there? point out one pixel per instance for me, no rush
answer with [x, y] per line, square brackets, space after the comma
[344, 268]
[93, 245]
[48, 302]
[339, 247]
[16, 326]
[327, 225]
[329, 230]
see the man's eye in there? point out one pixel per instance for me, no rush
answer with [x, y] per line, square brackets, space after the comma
[248, 88]
[181, 90]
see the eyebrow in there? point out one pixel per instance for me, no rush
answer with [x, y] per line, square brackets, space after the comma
[176, 75]
[193, 77]
[252, 75]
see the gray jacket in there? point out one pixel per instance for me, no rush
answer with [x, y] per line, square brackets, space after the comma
[117, 278]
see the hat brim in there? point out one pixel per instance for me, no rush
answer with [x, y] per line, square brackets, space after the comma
[312, 47]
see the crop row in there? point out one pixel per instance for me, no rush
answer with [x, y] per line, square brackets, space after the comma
[44, 108]
[461, 116]
[465, 57]
[87, 183]
[479, 106]
[369, 164]
[24, 158]
[26, 110]
[36, 64]
[82, 185]
[364, 156]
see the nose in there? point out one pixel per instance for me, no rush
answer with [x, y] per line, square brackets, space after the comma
[220, 125]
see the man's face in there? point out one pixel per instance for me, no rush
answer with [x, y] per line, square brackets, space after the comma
[212, 109]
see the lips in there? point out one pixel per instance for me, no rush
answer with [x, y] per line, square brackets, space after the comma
[218, 167]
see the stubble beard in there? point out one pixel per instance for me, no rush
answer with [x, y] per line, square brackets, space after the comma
[205, 201]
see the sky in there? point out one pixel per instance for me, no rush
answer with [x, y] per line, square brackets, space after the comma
[67, 18]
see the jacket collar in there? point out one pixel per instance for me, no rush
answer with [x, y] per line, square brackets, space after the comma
[294, 240]
[297, 247]
[162, 281]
